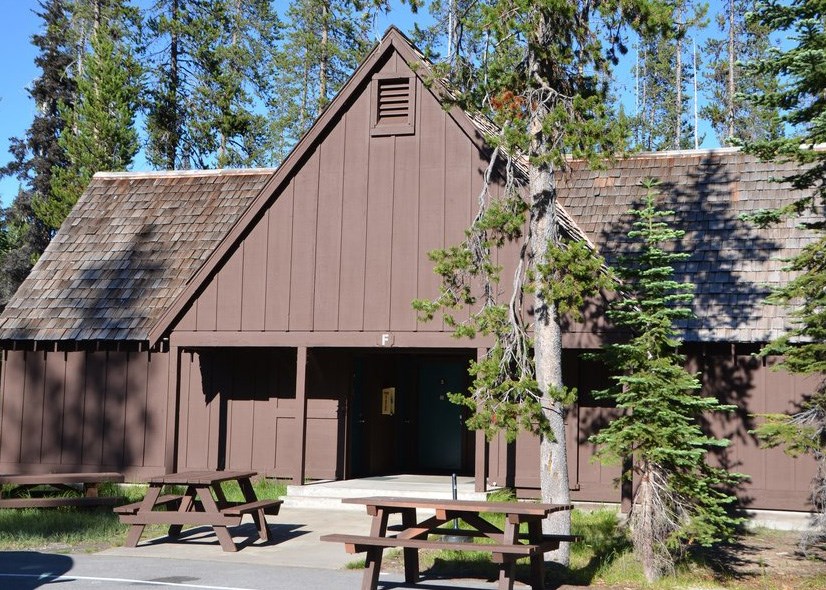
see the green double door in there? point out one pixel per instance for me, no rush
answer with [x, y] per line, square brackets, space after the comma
[400, 417]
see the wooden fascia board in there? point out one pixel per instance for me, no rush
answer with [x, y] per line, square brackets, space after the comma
[393, 39]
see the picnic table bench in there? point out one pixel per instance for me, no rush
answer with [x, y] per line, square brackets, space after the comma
[48, 490]
[506, 545]
[203, 503]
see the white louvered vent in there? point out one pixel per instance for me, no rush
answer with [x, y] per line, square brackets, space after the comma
[394, 105]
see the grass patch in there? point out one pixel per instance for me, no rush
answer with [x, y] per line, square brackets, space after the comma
[69, 528]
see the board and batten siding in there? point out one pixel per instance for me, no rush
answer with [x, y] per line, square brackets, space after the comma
[238, 410]
[775, 480]
[343, 246]
[84, 411]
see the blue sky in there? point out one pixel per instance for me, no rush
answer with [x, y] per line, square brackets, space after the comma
[17, 110]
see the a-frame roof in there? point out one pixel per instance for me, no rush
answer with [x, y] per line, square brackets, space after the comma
[138, 248]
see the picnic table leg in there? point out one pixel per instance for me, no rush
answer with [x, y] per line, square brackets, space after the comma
[411, 555]
[537, 559]
[507, 565]
[258, 516]
[174, 530]
[372, 560]
[208, 502]
[136, 530]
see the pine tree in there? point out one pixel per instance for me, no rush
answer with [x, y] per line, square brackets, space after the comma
[23, 235]
[211, 68]
[679, 498]
[100, 126]
[799, 97]
[324, 42]
[663, 74]
[543, 81]
[728, 109]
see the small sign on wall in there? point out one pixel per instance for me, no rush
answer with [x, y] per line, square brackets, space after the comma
[388, 401]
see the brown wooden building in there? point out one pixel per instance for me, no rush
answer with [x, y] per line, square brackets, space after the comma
[261, 319]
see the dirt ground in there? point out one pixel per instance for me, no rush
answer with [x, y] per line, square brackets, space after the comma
[768, 559]
[763, 560]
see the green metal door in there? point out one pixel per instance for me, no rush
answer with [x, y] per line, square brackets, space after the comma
[439, 420]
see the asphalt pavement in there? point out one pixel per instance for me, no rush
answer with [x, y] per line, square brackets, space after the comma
[293, 559]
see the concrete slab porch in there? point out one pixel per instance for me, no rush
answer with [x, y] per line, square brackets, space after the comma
[328, 494]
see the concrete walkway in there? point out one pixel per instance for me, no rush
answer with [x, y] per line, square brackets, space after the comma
[295, 541]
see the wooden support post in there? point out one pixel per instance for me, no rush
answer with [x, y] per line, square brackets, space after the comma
[480, 468]
[173, 410]
[301, 413]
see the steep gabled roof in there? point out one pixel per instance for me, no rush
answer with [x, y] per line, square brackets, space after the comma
[733, 264]
[474, 127]
[125, 252]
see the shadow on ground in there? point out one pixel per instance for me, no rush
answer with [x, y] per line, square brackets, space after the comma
[205, 535]
[26, 570]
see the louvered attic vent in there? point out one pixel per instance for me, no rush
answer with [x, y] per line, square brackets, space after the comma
[394, 105]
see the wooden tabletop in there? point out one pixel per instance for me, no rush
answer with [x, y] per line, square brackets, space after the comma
[522, 508]
[205, 477]
[58, 478]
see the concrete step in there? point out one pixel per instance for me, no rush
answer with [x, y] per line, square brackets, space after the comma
[328, 494]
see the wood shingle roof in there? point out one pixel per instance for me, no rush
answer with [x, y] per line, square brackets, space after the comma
[125, 252]
[733, 264]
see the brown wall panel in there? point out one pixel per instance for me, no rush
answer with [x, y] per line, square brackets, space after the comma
[33, 405]
[207, 307]
[53, 404]
[14, 386]
[329, 221]
[345, 241]
[254, 282]
[379, 233]
[257, 388]
[154, 417]
[279, 260]
[74, 407]
[230, 289]
[322, 439]
[305, 236]
[93, 415]
[354, 216]
[286, 446]
[114, 413]
[777, 481]
[432, 173]
[93, 410]
[405, 248]
[134, 424]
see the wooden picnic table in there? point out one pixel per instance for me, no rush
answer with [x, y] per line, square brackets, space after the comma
[48, 490]
[202, 503]
[507, 544]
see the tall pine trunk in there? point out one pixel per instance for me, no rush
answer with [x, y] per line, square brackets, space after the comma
[731, 58]
[553, 468]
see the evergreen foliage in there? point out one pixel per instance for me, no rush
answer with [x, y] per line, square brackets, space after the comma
[800, 97]
[663, 71]
[679, 498]
[23, 236]
[100, 129]
[211, 69]
[730, 112]
[324, 41]
[542, 78]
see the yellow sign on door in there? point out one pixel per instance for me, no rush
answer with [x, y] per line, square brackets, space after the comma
[388, 401]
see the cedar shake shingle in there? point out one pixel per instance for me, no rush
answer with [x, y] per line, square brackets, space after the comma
[125, 252]
[733, 264]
